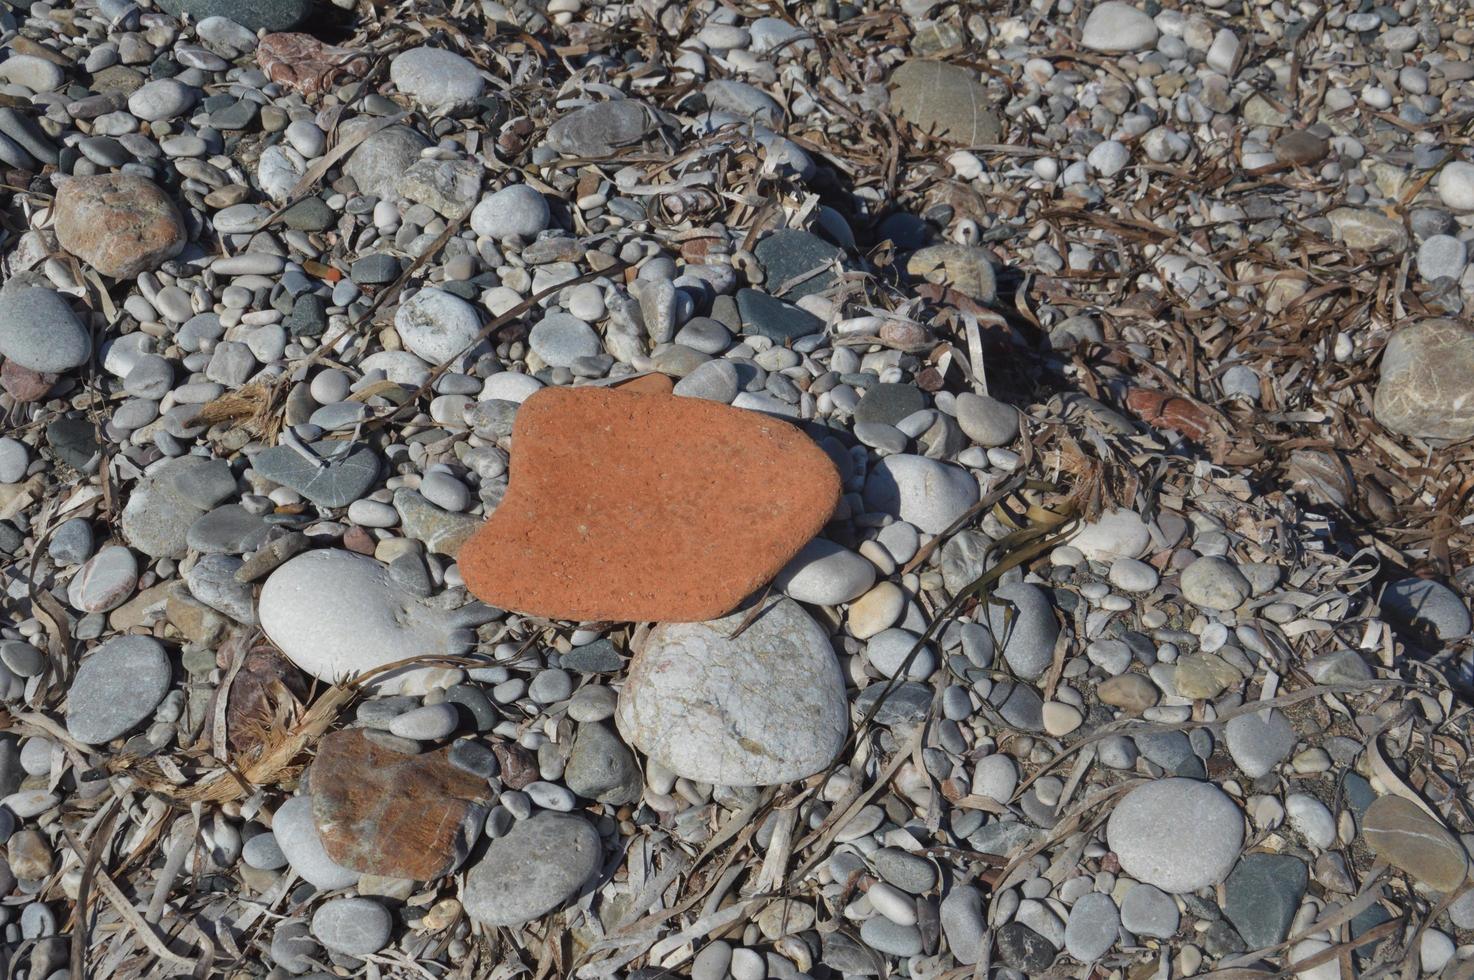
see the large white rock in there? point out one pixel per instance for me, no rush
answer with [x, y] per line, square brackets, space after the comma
[765, 707]
[436, 325]
[1116, 28]
[1456, 185]
[436, 78]
[337, 614]
[1118, 533]
[924, 492]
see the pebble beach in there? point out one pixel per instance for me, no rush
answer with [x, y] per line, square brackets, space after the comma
[708, 490]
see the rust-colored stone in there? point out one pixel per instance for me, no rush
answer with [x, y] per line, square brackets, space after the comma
[302, 62]
[1168, 412]
[648, 384]
[23, 384]
[120, 224]
[381, 812]
[646, 507]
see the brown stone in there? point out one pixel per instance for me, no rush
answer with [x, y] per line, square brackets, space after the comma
[947, 101]
[381, 812]
[1132, 693]
[517, 764]
[265, 681]
[1400, 833]
[23, 384]
[1300, 148]
[964, 268]
[302, 62]
[120, 224]
[646, 507]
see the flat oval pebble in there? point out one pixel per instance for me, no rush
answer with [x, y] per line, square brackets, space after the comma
[538, 866]
[39, 331]
[337, 615]
[116, 688]
[436, 78]
[1177, 834]
[1401, 833]
[355, 926]
[297, 837]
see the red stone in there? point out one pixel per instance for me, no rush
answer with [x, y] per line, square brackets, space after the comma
[121, 224]
[1168, 412]
[23, 384]
[646, 507]
[382, 812]
[302, 62]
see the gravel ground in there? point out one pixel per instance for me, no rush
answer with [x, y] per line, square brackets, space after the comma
[706, 490]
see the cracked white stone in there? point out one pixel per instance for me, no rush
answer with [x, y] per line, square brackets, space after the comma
[767, 706]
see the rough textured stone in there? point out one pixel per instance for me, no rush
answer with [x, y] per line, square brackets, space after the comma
[965, 268]
[349, 471]
[767, 706]
[598, 130]
[401, 816]
[1263, 893]
[602, 521]
[600, 766]
[1427, 375]
[117, 688]
[790, 254]
[302, 62]
[121, 224]
[337, 614]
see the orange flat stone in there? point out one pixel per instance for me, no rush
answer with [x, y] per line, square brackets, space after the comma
[646, 507]
[648, 384]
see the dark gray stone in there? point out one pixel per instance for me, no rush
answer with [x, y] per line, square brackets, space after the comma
[601, 767]
[74, 440]
[906, 704]
[889, 403]
[309, 316]
[597, 131]
[375, 270]
[228, 530]
[772, 318]
[791, 253]
[598, 657]
[1024, 949]
[1263, 891]
[538, 866]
